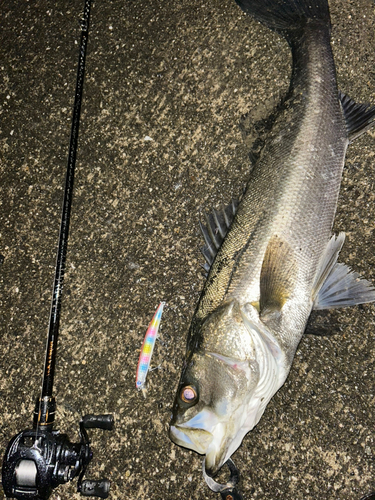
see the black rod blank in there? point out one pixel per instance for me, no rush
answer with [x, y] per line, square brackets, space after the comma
[53, 330]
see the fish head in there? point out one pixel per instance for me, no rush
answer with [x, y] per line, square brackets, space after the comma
[215, 390]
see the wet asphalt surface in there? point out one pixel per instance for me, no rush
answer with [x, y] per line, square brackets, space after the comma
[166, 85]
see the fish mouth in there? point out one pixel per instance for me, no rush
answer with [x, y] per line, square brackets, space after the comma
[195, 439]
[196, 433]
[205, 435]
[202, 442]
[216, 453]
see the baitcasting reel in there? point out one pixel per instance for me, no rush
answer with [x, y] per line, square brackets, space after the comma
[38, 460]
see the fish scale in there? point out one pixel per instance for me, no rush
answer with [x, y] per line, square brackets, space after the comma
[288, 193]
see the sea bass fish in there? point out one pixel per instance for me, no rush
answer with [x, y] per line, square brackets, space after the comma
[278, 259]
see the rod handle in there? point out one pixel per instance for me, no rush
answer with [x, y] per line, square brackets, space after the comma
[44, 413]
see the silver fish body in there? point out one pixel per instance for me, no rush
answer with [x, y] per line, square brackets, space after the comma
[278, 256]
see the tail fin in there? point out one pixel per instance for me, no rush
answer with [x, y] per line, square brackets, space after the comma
[284, 16]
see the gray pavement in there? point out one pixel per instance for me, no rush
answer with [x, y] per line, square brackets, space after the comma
[181, 73]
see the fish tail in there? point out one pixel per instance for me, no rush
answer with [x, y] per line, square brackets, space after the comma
[288, 16]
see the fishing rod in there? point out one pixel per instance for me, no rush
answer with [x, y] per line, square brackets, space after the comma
[37, 460]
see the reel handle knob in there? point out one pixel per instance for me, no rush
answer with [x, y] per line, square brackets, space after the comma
[231, 494]
[105, 422]
[99, 488]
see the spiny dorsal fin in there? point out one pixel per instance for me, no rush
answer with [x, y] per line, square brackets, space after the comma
[358, 117]
[277, 277]
[215, 230]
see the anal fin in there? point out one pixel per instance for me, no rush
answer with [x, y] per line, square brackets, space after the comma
[336, 285]
[327, 262]
[342, 288]
[358, 117]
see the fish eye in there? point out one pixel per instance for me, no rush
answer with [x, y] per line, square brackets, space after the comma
[188, 394]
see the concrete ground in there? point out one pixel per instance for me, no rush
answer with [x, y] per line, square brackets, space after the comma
[166, 86]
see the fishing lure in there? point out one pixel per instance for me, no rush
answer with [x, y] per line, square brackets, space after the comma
[147, 348]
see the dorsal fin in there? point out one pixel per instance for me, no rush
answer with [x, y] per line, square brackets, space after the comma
[277, 277]
[358, 117]
[215, 230]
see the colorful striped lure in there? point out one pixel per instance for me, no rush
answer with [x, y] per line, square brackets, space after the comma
[148, 347]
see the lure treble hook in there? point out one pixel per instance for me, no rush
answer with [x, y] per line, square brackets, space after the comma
[229, 490]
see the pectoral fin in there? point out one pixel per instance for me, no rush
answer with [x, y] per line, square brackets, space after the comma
[336, 285]
[277, 277]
